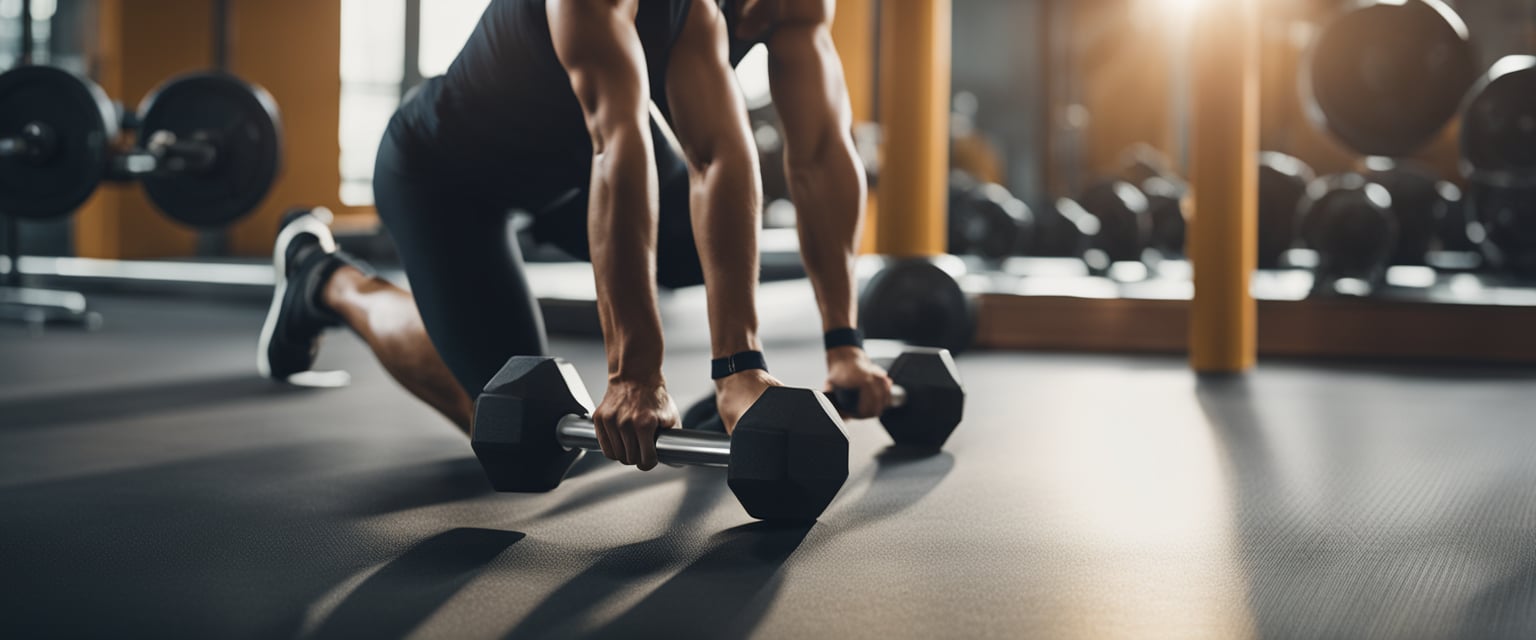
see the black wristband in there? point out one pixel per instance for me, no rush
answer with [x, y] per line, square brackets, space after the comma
[845, 337]
[732, 365]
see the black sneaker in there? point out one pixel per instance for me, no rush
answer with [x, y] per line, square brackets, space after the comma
[303, 258]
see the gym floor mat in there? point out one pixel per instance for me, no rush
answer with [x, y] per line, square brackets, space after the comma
[152, 486]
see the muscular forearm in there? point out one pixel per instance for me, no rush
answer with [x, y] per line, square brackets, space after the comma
[726, 201]
[829, 194]
[622, 230]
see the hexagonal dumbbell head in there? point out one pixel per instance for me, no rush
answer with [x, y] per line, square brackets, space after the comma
[935, 399]
[789, 455]
[515, 421]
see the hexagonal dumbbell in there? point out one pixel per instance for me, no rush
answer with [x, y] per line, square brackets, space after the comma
[927, 399]
[787, 459]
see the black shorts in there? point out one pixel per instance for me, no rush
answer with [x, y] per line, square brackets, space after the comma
[451, 224]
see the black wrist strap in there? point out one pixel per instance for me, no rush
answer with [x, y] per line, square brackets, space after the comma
[845, 337]
[732, 365]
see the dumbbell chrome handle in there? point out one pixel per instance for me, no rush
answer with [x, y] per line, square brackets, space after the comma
[673, 446]
[848, 399]
[165, 154]
[36, 141]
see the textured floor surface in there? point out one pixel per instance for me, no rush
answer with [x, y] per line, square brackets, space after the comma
[152, 486]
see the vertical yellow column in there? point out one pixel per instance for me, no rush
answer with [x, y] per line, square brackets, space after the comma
[914, 112]
[1223, 236]
[853, 32]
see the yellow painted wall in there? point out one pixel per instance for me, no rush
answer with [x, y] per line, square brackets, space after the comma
[293, 49]
[290, 47]
[142, 42]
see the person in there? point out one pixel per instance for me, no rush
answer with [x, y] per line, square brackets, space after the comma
[620, 125]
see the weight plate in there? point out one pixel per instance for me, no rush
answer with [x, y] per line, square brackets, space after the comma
[241, 120]
[1283, 184]
[1350, 225]
[1165, 209]
[1125, 226]
[917, 302]
[81, 124]
[1387, 75]
[1498, 128]
[1508, 218]
[1417, 207]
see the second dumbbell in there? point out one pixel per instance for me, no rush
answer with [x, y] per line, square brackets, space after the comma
[927, 399]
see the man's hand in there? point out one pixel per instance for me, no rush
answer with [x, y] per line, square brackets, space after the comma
[850, 368]
[629, 419]
[735, 394]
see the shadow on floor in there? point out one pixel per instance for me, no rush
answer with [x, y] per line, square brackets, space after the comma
[902, 477]
[130, 402]
[722, 594]
[419, 485]
[610, 488]
[616, 570]
[1506, 609]
[246, 540]
[1368, 558]
[408, 590]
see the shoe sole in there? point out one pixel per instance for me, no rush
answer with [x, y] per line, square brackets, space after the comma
[315, 223]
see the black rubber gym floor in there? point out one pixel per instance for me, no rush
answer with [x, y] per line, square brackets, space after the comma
[152, 486]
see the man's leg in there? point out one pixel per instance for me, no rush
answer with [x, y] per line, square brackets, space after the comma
[469, 311]
[320, 287]
[385, 316]
[470, 308]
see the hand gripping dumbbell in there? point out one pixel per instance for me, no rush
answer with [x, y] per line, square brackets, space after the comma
[786, 460]
[927, 399]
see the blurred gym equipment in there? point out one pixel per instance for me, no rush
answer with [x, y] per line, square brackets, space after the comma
[1498, 124]
[209, 150]
[1350, 225]
[1125, 226]
[208, 145]
[1416, 205]
[986, 220]
[1165, 209]
[56, 135]
[786, 459]
[1457, 233]
[1386, 75]
[1507, 215]
[1283, 184]
[56, 132]
[1064, 230]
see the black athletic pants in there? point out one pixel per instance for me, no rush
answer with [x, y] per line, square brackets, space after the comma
[452, 229]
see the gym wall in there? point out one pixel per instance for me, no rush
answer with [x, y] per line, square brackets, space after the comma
[290, 47]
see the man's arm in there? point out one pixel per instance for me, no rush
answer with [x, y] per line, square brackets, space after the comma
[710, 120]
[826, 179]
[826, 182]
[596, 42]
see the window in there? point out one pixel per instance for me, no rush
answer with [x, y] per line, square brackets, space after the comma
[10, 31]
[445, 25]
[375, 72]
[372, 48]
